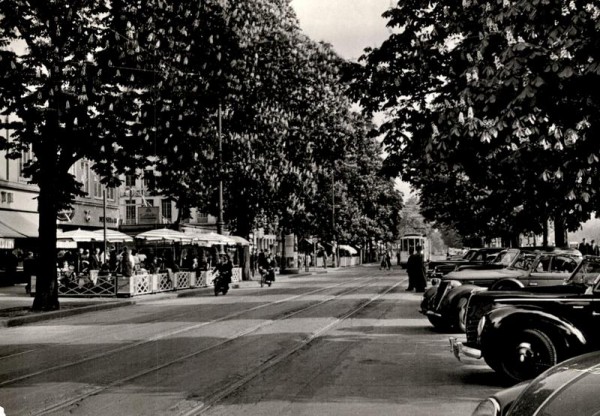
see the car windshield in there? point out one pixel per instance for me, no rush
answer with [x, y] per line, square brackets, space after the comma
[505, 258]
[470, 254]
[587, 274]
[523, 261]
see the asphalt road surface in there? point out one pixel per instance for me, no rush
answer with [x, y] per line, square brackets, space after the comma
[349, 342]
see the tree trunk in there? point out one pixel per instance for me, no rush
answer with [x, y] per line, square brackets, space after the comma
[243, 229]
[545, 234]
[560, 239]
[46, 296]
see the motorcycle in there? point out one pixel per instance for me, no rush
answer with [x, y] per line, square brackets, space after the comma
[220, 284]
[267, 276]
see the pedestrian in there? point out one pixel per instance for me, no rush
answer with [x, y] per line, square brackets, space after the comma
[388, 260]
[583, 247]
[126, 263]
[594, 249]
[410, 266]
[415, 267]
[94, 260]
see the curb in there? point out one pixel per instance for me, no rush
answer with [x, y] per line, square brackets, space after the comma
[43, 316]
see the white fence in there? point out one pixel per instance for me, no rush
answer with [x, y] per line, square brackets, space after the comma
[138, 284]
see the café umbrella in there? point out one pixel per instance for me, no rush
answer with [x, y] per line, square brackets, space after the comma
[209, 239]
[78, 235]
[113, 236]
[164, 234]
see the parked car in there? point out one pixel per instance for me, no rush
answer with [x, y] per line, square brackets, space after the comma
[474, 256]
[445, 304]
[568, 388]
[521, 333]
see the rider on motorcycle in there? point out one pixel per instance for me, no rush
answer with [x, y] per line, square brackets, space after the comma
[225, 269]
[266, 268]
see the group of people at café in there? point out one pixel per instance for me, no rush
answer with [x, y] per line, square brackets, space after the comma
[126, 262]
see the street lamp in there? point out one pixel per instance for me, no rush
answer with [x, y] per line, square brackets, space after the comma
[220, 221]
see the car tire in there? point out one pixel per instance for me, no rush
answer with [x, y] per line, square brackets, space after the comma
[439, 323]
[504, 285]
[461, 315]
[526, 354]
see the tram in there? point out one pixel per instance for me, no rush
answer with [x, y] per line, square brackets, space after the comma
[411, 241]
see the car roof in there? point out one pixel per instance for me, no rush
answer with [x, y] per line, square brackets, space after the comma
[554, 250]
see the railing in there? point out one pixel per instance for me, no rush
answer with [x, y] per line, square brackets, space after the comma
[94, 285]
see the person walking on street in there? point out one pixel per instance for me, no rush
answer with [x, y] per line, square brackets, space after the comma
[416, 269]
[126, 263]
[410, 269]
[583, 247]
[594, 249]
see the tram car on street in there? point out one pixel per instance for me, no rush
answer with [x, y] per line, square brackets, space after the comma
[411, 241]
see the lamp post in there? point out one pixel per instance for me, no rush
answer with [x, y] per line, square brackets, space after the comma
[220, 221]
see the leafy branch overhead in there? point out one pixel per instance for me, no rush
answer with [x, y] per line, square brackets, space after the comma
[492, 109]
[136, 86]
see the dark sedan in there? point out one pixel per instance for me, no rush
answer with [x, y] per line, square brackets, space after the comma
[473, 257]
[567, 388]
[521, 333]
[445, 304]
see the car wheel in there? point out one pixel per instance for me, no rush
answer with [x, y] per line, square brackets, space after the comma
[526, 354]
[493, 361]
[438, 323]
[461, 316]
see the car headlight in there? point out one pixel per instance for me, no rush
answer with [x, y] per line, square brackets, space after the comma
[488, 407]
[480, 326]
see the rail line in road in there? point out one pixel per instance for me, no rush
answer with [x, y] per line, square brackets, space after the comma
[159, 336]
[233, 387]
[285, 315]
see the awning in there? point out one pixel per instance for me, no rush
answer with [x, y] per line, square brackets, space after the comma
[16, 224]
[349, 249]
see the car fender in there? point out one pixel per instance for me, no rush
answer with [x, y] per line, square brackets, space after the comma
[510, 280]
[460, 292]
[501, 322]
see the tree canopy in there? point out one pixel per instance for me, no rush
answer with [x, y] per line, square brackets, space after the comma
[136, 87]
[492, 110]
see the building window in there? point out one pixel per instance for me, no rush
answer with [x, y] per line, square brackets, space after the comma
[202, 217]
[84, 175]
[167, 212]
[97, 186]
[130, 181]
[149, 180]
[26, 157]
[130, 214]
[110, 194]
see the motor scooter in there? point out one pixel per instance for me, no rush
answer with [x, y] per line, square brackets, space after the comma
[220, 284]
[267, 276]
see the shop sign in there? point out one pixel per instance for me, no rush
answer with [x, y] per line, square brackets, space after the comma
[7, 243]
[147, 215]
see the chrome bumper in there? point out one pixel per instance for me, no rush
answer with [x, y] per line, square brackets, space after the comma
[458, 349]
[430, 313]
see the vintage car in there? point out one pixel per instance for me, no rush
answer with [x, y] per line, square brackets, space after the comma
[570, 387]
[521, 333]
[474, 256]
[445, 304]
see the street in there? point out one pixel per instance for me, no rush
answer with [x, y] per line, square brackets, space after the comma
[348, 342]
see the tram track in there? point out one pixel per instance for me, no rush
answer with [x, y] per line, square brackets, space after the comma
[95, 391]
[158, 336]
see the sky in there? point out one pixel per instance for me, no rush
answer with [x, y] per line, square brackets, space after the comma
[350, 26]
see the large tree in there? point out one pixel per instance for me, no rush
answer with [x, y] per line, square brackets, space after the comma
[63, 107]
[492, 110]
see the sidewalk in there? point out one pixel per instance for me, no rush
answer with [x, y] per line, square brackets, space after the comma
[15, 304]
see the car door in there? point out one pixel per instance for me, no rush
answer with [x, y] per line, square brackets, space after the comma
[540, 272]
